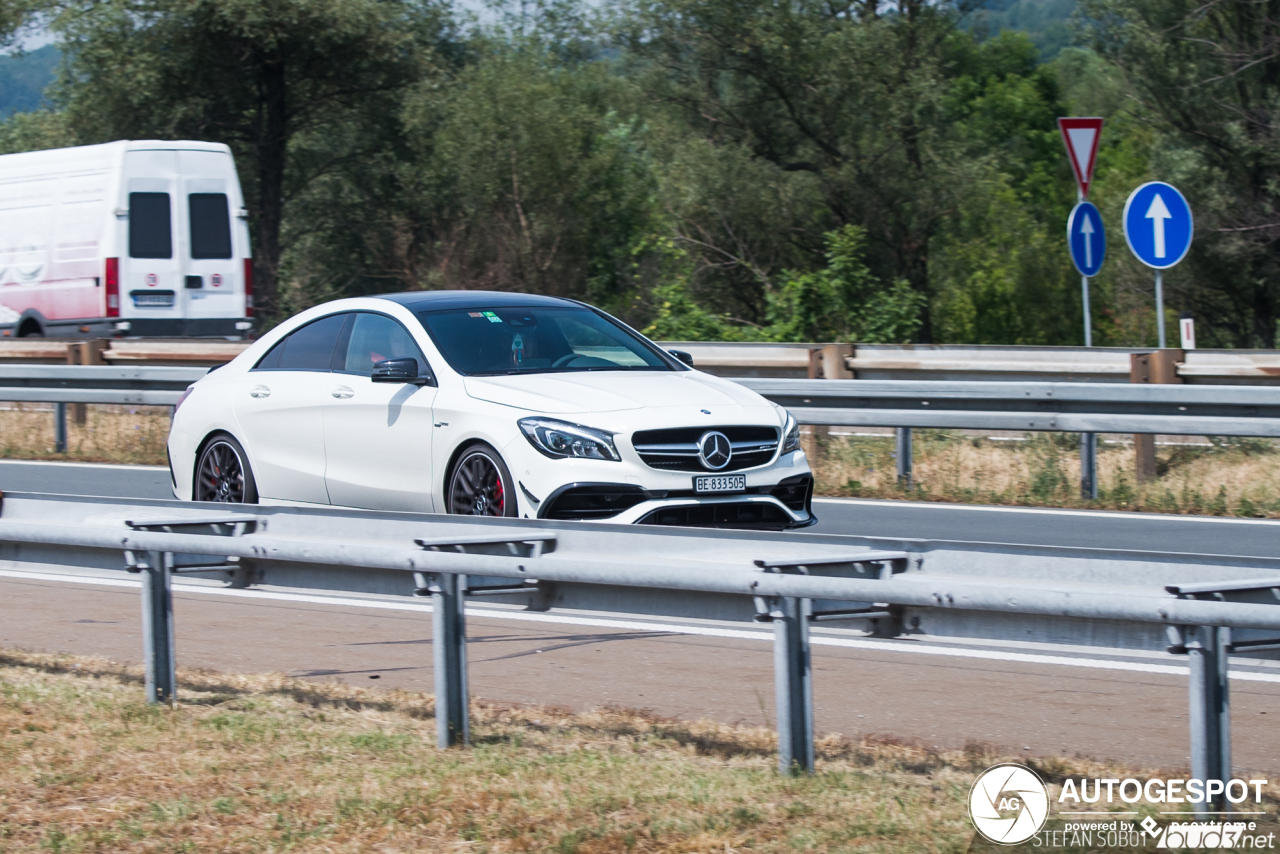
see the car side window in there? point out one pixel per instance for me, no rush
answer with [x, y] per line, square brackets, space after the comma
[309, 348]
[375, 337]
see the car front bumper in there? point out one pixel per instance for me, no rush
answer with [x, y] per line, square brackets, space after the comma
[777, 504]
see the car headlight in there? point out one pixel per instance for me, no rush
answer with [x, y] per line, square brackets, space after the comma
[562, 440]
[791, 434]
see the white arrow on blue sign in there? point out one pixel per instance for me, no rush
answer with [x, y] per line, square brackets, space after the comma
[1157, 225]
[1087, 239]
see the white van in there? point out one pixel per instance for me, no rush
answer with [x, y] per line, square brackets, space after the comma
[128, 238]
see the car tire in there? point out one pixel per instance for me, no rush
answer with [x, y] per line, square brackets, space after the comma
[480, 484]
[223, 473]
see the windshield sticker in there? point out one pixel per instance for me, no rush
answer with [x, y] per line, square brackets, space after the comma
[493, 318]
[475, 313]
[517, 348]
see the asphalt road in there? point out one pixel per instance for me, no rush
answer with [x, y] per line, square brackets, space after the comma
[896, 519]
[1020, 697]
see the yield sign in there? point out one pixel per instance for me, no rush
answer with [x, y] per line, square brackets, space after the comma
[1081, 137]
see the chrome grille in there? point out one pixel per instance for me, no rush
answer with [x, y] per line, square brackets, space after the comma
[676, 449]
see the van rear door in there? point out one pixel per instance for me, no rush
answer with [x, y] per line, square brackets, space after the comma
[150, 272]
[212, 282]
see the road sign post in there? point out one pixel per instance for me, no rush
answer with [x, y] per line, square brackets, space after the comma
[1158, 227]
[1081, 137]
[1087, 242]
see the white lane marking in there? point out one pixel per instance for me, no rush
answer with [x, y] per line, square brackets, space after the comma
[646, 626]
[82, 465]
[1094, 514]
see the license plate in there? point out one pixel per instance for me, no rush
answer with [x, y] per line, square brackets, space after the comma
[721, 483]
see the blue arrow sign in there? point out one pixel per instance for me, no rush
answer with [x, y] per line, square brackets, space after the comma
[1157, 225]
[1087, 239]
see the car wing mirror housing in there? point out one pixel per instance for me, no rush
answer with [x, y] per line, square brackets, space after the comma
[399, 371]
[683, 356]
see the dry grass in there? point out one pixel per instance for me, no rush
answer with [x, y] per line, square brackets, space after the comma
[1227, 477]
[110, 434]
[269, 763]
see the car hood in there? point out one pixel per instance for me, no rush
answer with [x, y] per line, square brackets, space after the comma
[610, 391]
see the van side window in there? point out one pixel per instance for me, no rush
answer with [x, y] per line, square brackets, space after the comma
[210, 225]
[150, 231]
[311, 347]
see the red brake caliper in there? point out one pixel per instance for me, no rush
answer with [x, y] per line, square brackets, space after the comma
[499, 496]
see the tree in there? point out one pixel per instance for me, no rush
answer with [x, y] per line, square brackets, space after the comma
[1206, 78]
[256, 74]
[14, 16]
[848, 94]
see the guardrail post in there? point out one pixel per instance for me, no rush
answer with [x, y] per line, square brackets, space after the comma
[157, 628]
[449, 638]
[1160, 367]
[1089, 466]
[1210, 710]
[60, 427]
[903, 453]
[85, 353]
[793, 683]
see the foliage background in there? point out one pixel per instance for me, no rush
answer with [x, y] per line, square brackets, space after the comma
[716, 169]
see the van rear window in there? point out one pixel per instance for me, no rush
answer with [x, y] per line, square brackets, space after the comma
[210, 225]
[150, 234]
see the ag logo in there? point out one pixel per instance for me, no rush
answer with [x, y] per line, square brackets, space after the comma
[1008, 804]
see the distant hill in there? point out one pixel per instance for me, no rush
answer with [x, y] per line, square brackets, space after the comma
[23, 79]
[1046, 22]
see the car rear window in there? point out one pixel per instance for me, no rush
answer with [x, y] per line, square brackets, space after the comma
[150, 229]
[537, 340]
[307, 349]
[210, 220]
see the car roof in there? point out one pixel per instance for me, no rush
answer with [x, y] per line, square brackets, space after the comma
[433, 300]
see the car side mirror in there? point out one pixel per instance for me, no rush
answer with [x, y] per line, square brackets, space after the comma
[398, 371]
[682, 356]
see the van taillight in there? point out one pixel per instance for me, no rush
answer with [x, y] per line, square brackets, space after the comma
[112, 279]
[248, 287]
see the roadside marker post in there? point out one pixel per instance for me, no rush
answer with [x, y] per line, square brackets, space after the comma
[1087, 243]
[1158, 226]
[1187, 330]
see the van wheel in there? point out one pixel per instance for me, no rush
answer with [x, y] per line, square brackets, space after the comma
[480, 484]
[30, 329]
[223, 473]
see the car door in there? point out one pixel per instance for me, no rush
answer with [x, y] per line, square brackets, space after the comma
[378, 435]
[280, 407]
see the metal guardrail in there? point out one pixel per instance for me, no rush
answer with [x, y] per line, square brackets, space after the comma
[973, 363]
[1086, 408]
[147, 386]
[1183, 603]
[965, 363]
[1067, 407]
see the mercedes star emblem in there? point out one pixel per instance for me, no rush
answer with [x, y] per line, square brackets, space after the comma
[714, 450]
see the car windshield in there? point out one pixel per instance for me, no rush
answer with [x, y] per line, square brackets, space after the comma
[536, 340]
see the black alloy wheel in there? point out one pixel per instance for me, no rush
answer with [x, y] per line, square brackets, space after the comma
[481, 485]
[223, 474]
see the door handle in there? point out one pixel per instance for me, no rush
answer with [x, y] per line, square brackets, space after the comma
[259, 391]
[342, 392]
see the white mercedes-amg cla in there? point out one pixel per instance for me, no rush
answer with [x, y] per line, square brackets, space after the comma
[489, 404]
